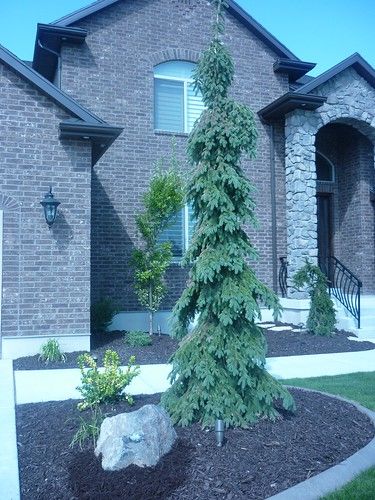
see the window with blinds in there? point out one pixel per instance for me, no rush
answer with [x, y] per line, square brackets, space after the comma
[177, 103]
[180, 231]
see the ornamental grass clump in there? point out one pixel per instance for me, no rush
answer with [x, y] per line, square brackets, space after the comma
[322, 315]
[89, 428]
[51, 352]
[105, 386]
[219, 369]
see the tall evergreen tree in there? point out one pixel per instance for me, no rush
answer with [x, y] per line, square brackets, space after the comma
[219, 368]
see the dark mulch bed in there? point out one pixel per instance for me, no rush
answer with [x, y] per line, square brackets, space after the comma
[282, 343]
[253, 464]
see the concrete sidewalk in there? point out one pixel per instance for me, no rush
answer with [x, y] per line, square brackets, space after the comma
[33, 386]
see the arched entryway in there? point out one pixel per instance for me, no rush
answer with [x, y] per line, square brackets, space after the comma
[345, 214]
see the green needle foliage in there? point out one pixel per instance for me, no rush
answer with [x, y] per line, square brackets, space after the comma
[322, 315]
[219, 368]
[163, 199]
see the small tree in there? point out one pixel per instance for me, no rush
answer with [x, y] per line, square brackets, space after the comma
[219, 368]
[162, 200]
[322, 315]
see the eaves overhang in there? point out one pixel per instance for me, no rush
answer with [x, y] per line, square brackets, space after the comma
[355, 61]
[100, 135]
[295, 69]
[289, 102]
[233, 8]
[48, 42]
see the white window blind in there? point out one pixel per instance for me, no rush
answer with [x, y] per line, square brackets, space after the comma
[177, 104]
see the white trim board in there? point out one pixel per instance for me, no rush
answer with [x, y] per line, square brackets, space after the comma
[16, 347]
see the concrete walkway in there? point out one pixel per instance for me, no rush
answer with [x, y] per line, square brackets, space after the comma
[33, 386]
[9, 481]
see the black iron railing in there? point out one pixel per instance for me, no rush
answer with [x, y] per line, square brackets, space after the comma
[283, 276]
[344, 285]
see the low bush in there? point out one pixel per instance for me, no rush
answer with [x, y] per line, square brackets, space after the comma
[108, 385]
[102, 314]
[51, 352]
[138, 339]
[322, 315]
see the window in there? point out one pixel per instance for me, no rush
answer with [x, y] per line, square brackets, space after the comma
[324, 168]
[177, 104]
[180, 232]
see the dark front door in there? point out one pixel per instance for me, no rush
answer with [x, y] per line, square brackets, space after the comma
[324, 201]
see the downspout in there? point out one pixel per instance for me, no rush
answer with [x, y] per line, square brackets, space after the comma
[273, 208]
[58, 79]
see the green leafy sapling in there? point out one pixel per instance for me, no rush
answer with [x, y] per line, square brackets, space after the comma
[219, 369]
[322, 315]
[161, 202]
[105, 386]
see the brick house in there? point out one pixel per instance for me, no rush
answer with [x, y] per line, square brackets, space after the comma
[108, 90]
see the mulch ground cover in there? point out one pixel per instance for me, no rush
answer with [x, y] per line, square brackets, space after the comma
[280, 343]
[253, 464]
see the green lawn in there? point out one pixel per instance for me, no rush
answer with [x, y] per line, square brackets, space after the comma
[359, 387]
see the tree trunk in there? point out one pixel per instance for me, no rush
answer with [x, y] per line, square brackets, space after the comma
[150, 313]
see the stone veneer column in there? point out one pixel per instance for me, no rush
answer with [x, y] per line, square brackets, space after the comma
[301, 207]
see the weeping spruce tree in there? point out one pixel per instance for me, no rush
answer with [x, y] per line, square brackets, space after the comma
[219, 369]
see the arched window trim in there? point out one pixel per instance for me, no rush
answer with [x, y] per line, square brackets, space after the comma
[322, 155]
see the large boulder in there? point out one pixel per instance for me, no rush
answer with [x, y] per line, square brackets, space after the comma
[140, 437]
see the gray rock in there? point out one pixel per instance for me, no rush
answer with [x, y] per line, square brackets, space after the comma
[140, 437]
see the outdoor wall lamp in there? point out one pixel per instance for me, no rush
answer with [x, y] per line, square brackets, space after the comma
[50, 205]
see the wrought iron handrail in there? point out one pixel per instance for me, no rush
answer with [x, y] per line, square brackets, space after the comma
[344, 285]
[283, 276]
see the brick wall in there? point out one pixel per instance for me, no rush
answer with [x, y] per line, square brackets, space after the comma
[46, 273]
[113, 76]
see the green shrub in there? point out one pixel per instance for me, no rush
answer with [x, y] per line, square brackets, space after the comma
[138, 339]
[88, 428]
[104, 386]
[102, 314]
[51, 352]
[322, 315]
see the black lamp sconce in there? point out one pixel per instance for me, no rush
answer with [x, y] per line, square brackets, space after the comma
[50, 204]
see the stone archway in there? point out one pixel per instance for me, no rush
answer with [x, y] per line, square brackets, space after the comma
[350, 101]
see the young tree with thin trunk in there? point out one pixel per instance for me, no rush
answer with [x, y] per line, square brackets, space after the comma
[219, 368]
[162, 200]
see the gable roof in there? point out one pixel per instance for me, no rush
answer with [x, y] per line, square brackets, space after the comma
[233, 8]
[84, 119]
[301, 98]
[356, 61]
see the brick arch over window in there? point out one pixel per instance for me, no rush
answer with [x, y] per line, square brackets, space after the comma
[8, 203]
[176, 54]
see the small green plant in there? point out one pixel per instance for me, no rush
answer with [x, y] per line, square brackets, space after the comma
[108, 385]
[88, 428]
[138, 339]
[51, 352]
[322, 316]
[102, 314]
[162, 201]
